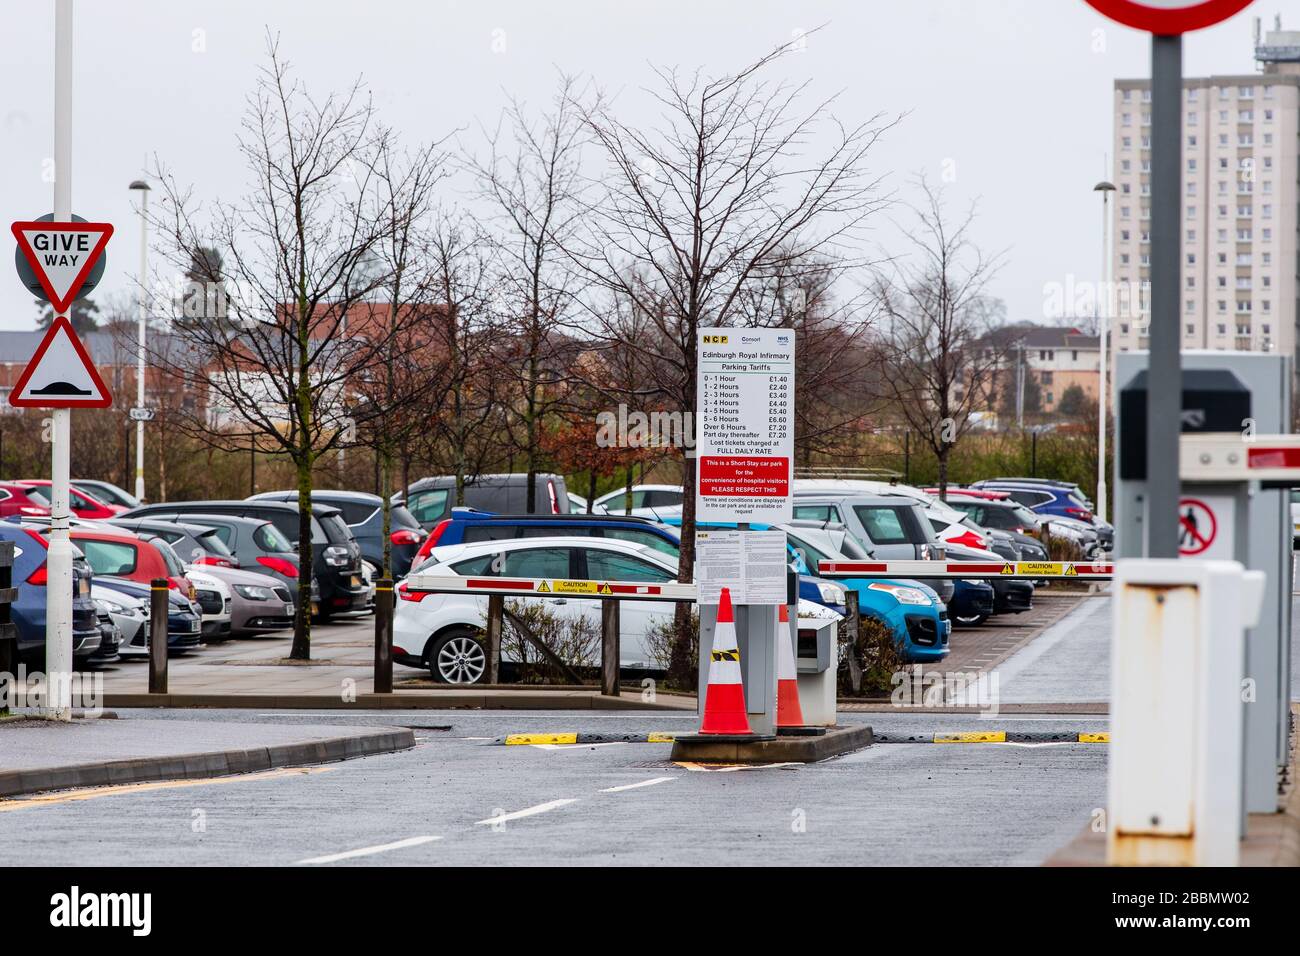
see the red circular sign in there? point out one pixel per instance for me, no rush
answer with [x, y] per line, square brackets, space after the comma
[1197, 527]
[1168, 17]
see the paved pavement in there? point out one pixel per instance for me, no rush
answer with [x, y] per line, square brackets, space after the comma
[469, 801]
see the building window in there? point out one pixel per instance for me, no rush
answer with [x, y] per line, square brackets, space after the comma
[1247, 92]
[1191, 258]
[1223, 329]
[1191, 329]
[1189, 306]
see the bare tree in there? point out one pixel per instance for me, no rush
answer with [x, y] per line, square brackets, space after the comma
[939, 358]
[691, 212]
[397, 389]
[296, 255]
[531, 180]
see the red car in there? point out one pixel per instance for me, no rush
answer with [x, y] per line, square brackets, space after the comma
[83, 505]
[122, 554]
[16, 499]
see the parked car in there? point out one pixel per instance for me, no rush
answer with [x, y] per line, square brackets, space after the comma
[364, 514]
[1068, 515]
[30, 577]
[431, 499]
[258, 602]
[16, 499]
[193, 543]
[81, 504]
[890, 527]
[184, 619]
[107, 492]
[213, 596]
[1009, 517]
[128, 613]
[336, 557]
[110, 637]
[1295, 518]
[442, 632]
[648, 501]
[468, 526]
[911, 611]
[256, 543]
[119, 553]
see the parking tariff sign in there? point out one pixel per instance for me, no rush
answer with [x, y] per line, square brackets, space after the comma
[744, 425]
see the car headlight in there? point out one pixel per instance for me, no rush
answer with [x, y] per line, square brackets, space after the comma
[253, 592]
[831, 592]
[112, 607]
[901, 593]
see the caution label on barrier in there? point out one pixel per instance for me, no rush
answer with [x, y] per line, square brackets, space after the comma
[574, 587]
[1043, 567]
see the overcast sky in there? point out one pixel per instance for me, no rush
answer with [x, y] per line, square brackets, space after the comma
[1013, 94]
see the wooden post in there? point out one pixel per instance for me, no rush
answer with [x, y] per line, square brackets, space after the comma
[495, 610]
[158, 608]
[384, 636]
[609, 647]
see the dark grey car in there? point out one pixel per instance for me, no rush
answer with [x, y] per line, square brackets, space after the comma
[364, 514]
[431, 499]
[195, 543]
[336, 558]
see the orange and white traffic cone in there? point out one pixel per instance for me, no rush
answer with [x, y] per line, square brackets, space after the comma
[788, 711]
[724, 697]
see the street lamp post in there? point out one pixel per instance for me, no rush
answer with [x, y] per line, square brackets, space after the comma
[143, 187]
[1103, 319]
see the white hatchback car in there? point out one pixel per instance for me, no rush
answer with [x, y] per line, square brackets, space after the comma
[443, 631]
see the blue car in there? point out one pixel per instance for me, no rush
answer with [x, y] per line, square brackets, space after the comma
[467, 525]
[28, 611]
[910, 609]
[184, 617]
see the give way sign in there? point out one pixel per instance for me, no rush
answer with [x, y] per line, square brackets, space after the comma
[62, 254]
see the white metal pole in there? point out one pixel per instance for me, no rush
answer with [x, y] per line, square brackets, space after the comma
[58, 592]
[139, 362]
[1103, 319]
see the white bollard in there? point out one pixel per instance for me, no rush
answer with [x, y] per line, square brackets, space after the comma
[1177, 661]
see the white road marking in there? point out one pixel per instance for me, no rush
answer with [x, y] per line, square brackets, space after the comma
[633, 786]
[730, 768]
[1078, 719]
[370, 850]
[528, 812]
[610, 743]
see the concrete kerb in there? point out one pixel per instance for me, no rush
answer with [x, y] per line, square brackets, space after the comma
[202, 765]
[439, 700]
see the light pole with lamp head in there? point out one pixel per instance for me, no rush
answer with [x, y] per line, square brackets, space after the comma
[143, 187]
[1103, 317]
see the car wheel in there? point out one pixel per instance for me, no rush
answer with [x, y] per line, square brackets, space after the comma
[457, 657]
[971, 620]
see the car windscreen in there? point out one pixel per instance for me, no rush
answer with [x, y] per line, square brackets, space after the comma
[211, 542]
[109, 557]
[429, 505]
[270, 538]
[886, 524]
[38, 496]
[336, 529]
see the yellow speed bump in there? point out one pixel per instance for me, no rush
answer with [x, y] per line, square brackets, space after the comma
[518, 740]
[973, 737]
[1101, 738]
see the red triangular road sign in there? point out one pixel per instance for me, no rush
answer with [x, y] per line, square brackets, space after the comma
[62, 255]
[60, 374]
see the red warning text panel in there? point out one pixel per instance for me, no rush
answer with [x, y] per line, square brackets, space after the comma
[757, 477]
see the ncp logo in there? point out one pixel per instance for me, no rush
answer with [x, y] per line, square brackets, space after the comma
[715, 340]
